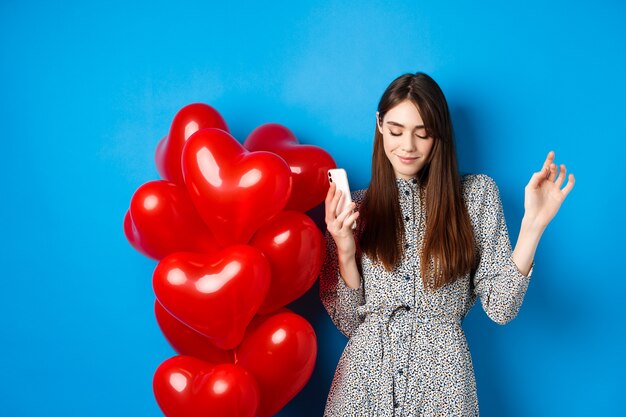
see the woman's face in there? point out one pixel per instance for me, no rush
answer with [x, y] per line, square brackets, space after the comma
[404, 138]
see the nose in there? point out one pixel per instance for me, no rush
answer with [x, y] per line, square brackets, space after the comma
[408, 143]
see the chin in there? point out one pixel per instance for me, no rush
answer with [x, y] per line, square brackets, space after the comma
[405, 174]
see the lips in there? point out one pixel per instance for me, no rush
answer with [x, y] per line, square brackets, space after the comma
[407, 160]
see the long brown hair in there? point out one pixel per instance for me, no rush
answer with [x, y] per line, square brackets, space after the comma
[449, 239]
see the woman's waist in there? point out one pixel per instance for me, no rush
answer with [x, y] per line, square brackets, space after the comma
[420, 314]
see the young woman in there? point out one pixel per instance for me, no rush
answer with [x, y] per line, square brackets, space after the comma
[428, 244]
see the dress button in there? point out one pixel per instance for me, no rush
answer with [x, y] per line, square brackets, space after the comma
[407, 278]
[396, 404]
[406, 245]
[406, 219]
[400, 372]
[414, 181]
[407, 192]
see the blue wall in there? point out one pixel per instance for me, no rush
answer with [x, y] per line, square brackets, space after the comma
[86, 92]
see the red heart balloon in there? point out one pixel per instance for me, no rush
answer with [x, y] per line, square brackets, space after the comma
[187, 341]
[235, 191]
[279, 350]
[188, 387]
[309, 164]
[216, 295]
[295, 249]
[162, 220]
[187, 121]
[130, 231]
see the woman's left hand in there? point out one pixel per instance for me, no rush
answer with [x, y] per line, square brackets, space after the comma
[544, 195]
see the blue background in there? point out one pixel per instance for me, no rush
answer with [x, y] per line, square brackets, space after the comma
[87, 90]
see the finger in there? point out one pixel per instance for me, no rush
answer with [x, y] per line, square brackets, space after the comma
[339, 204]
[549, 159]
[331, 203]
[538, 177]
[570, 184]
[552, 175]
[342, 216]
[561, 177]
[351, 219]
[330, 193]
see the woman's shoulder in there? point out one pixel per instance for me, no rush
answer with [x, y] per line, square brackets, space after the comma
[358, 196]
[477, 183]
[480, 192]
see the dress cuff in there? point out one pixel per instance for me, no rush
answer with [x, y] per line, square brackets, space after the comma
[354, 296]
[516, 272]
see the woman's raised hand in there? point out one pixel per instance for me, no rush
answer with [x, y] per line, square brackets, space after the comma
[545, 193]
[340, 226]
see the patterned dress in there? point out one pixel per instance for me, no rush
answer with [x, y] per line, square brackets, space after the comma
[407, 354]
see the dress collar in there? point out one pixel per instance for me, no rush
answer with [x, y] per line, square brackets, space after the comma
[410, 184]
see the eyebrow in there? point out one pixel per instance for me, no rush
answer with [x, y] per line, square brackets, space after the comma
[401, 125]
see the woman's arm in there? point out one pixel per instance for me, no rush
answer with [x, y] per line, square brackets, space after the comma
[339, 300]
[341, 289]
[340, 228]
[543, 198]
[497, 281]
[349, 271]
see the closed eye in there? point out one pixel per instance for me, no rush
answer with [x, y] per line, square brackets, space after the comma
[421, 133]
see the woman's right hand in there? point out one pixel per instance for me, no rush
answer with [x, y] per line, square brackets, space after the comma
[340, 226]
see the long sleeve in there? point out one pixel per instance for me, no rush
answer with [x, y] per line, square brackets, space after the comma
[497, 280]
[340, 301]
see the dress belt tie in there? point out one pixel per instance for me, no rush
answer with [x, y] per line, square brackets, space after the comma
[383, 315]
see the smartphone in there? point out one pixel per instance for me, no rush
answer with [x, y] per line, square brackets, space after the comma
[340, 178]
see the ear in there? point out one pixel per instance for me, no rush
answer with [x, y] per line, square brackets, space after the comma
[378, 124]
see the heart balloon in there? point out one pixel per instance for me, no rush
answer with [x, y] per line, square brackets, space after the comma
[187, 341]
[279, 350]
[130, 231]
[162, 220]
[187, 121]
[216, 295]
[189, 387]
[309, 164]
[295, 249]
[235, 191]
